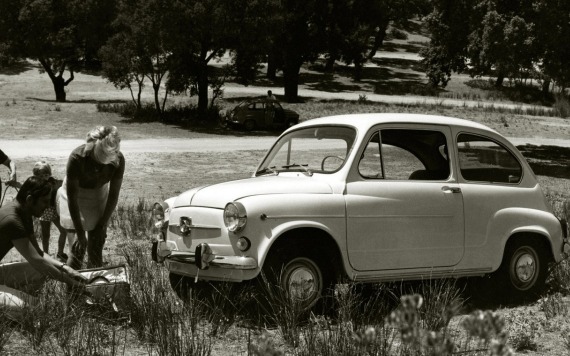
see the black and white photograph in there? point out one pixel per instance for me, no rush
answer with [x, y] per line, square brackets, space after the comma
[284, 177]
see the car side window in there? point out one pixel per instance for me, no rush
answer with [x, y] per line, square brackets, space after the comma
[484, 160]
[399, 164]
[370, 165]
[256, 106]
[406, 154]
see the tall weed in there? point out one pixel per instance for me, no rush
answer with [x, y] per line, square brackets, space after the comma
[6, 331]
[133, 222]
[157, 315]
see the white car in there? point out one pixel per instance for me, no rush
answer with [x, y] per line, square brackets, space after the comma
[368, 198]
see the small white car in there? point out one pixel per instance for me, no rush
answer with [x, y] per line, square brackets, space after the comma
[368, 198]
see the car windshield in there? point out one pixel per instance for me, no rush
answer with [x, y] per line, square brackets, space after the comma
[321, 149]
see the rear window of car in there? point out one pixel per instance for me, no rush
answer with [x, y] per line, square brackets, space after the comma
[484, 160]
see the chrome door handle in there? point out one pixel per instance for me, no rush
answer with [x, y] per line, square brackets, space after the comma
[447, 189]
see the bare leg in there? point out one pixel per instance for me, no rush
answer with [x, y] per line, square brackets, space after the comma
[13, 302]
[21, 276]
[62, 237]
[45, 225]
[95, 243]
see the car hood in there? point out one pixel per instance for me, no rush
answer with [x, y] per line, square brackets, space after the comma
[218, 195]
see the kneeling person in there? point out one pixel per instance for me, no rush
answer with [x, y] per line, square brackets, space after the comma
[16, 230]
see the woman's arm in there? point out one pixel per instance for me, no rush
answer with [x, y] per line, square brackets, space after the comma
[12, 167]
[49, 266]
[112, 199]
[73, 205]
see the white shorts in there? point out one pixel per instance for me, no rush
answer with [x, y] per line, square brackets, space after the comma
[91, 203]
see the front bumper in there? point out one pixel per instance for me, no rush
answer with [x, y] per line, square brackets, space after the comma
[162, 251]
[234, 262]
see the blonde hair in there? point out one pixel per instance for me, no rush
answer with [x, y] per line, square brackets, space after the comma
[41, 168]
[106, 141]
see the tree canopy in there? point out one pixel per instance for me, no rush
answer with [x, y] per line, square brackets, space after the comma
[502, 38]
[60, 35]
[173, 43]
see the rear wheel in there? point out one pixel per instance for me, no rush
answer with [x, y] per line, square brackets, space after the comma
[523, 271]
[249, 125]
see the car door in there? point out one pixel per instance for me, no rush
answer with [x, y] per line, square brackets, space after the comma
[404, 206]
[490, 177]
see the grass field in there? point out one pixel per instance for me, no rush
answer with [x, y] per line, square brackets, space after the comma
[363, 324]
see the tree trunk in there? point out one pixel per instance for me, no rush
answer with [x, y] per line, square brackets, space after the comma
[357, 71]
[500, 79]
[379, 37]
[291, 82]
[156, 88]
[271, 67]
[203, 88]
[59, 88]
[546, 86]
[329, 66]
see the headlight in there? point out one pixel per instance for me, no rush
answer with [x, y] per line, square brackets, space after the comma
[235, 216]
[158, 215]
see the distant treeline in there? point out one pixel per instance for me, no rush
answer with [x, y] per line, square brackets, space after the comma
[172, 43]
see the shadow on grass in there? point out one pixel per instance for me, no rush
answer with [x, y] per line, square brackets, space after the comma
[529, 94]
[17, 68]
[206, 127]
[551, 161]
[401, 47]
[82, 101]
[401, 64]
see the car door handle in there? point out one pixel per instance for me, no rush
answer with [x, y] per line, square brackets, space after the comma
[447, 189]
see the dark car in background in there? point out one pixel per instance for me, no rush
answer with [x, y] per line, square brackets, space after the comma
[261, 113]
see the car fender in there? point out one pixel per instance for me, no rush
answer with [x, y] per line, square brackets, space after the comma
[272, 216]
[282, 229]
[513, 222]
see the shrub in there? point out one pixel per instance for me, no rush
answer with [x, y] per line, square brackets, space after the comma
[187, 114]
[562, 105]
[524, 329]
[441, 301]
[553, 306]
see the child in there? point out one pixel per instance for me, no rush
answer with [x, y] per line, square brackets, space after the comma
[43, 170]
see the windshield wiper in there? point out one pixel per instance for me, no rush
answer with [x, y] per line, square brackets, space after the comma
[307, 171]
[267, 170]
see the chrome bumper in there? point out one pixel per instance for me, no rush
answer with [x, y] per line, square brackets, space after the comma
[202, 258]
[233, 262]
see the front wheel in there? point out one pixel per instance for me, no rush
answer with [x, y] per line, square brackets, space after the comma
[301, 279]
[522, 274]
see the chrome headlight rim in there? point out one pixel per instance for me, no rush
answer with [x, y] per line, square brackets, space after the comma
[159, 211]
[235, 216]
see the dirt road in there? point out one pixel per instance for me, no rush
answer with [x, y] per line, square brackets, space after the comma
[59, 148]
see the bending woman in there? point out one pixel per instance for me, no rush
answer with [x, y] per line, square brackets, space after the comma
[89, 194]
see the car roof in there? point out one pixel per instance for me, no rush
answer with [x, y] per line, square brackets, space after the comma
[365, 121]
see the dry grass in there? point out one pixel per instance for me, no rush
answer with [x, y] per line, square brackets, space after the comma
[159, 324]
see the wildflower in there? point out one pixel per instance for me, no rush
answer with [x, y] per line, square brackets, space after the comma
[370, 334]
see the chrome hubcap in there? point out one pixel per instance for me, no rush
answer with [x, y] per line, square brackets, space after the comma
[525, 267]
[302, 281]
[302, 284]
